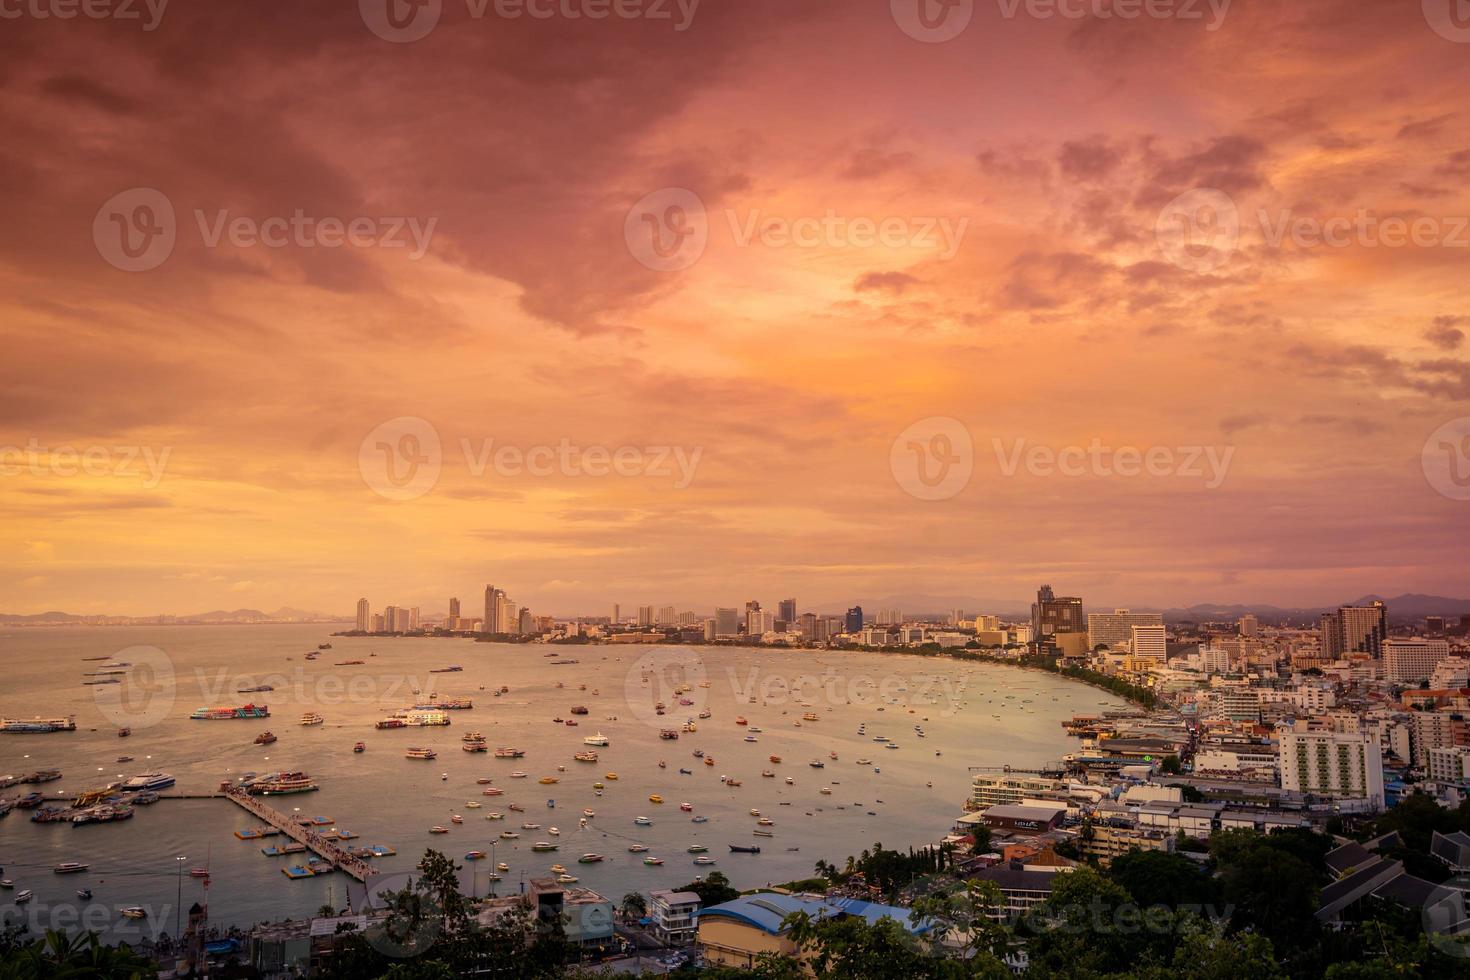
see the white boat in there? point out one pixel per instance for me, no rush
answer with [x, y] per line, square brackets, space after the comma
[599, 739]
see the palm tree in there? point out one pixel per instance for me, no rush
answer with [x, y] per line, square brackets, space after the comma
[825, 869]
[326, 910]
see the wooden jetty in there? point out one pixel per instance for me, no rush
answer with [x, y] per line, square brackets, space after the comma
[320, 845]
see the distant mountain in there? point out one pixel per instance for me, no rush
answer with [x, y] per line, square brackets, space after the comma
[215, 616]
[45, 617]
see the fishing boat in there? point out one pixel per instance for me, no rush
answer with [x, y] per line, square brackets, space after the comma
[741, 849]
[472, 737]
[265, 738]
[312, 718]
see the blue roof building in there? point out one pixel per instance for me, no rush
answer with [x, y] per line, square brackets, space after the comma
[736, 933]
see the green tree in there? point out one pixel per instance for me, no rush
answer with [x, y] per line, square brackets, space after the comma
[634, 905]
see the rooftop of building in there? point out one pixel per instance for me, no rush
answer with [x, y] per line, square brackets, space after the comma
[767, 911]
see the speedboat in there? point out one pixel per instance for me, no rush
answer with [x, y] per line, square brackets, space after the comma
[590, 859]
[22, 896]
[651, 860]
[700, 819]
[686, 807]
[790, 781]
[84, 893]
[456, 818]
[509, 834]
[638, 849]
[704, 859]
[436, 829]
[566, 879]
[655, 798]
[643, 821]
[696, 849]
[134, 912]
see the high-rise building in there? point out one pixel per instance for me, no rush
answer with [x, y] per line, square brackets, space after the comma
[753, 622]
[364, 616]
[390, 619]
[853, 622]
[1052, 614]
[453, 608]
[527, 621]
[645, 615]
[787, 610]
[1410, 660]
[617, 614]
[1249, 625]
[1341, 764]
[727, 622]
[413, 617]
[1115, 628]
[1355, 629]
[1434, 625]
[491, 621]
[1149, 643]
[668, 616]
[378, 625]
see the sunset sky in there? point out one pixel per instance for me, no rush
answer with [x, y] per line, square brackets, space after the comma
[534, 152]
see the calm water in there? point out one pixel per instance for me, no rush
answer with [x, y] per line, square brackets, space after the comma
[973, 715]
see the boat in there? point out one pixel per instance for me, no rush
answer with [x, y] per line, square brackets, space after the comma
[560, 869]
[740, 720]
[134, 912]
[494, 815]
[825, 791]
[420, 754]
[474, 856]
[599, 739]
[23, 896]
[509, 834]
[124, 758]
[776, 759]
[566, 879]
[493, 791]
[754, 812]
[456, 818]
[669, 734]
[643, 821]
[84, 893]
[37, 726]
[590, 859]
[611, 776]
[502, 867]
[475, 747]
[699, 753]
[543, 846]
[817, 764]
[653, 861]
[553, 831]
[453, 669]
[69, 867]
[549, 780]
[516, 808]
[518, 774]
[705, 714]
[809, 716]
[832, 756]
[865, 762]
[751, 738]
[762, 833]
[147, 781]
[700, 819]
[655, 798]
[766, 822]
[704, 859]
[696, 849]
[579, 709]
[391, 723]
[472, 737]
[312, 718]
[473, 804]
[686, 807]
[585, 756]
[198, 872]
[756, 728]
[637, 848]
[227, 713]
[740, 849]
[7, 883]
[686, 772]
[359, 747]
[732, 781]
[257, 689]
[709, 761]
[528, 825]
[124, 732]
[768, 773]
[106, 813]
[588, 813]
[266, 738]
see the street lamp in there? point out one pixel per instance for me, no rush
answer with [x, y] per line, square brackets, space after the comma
[179, 897]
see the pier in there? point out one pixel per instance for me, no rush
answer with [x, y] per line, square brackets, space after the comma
[323, 848]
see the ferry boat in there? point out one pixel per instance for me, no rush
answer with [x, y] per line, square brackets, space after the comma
[38, 726]
[472, 737]
[585, 756]
[105, 813]
[738, 849]
[391, 723]
[414, 718]
[265, 738]
[599, 740]
[69, 867]
[421, 754]
[475, 747]
[312, 718]
[147, 781]
[281, 784]
[227, 713]
[509, 753]
[446, 704]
